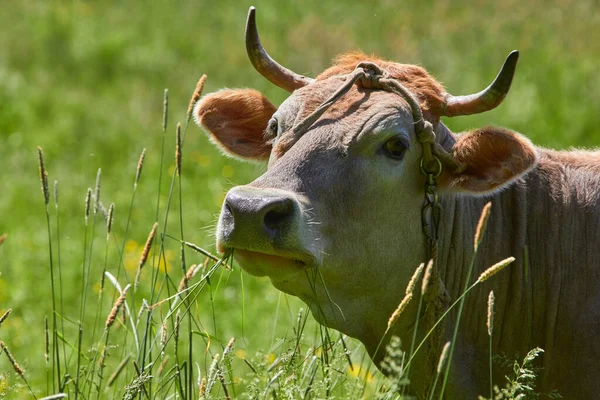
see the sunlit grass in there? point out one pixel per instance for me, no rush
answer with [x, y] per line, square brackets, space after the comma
[85, 82]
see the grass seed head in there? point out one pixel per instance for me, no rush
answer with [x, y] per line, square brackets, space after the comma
[202, 388]
[165, 110]
[177, 326]
[494, 269]
[490, 313]
[196, 95]
[3, 238]
[228, 348]
[481, 225]
[401, 307]
[56, 194]
[192, 270]
[212, 374]
[178, 148]
[427, 277]
[163, 335]
[135, 388]
[88, 197]
[182, 258]
[443, 357]
[140, 165]
[43, 175]
[115, 310]
[12, 360]
[145, 252]
[97, 190]
[413, 281]
[109, 220]
[47, 341]
[102, 357]
[149, 241]
[5, 315]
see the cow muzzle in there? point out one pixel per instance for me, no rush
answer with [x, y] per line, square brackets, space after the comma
[264, 226]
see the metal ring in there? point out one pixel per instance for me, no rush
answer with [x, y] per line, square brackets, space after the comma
[439, 170]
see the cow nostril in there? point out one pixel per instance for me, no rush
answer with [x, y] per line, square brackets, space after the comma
[275, 218]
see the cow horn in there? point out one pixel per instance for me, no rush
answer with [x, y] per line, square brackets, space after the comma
[263, 63]
[487, 99]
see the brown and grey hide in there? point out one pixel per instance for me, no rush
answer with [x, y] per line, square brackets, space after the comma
[336, 221]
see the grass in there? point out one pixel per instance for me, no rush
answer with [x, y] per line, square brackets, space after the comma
[85, 82]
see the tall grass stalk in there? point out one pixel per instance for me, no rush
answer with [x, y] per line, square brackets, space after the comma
[60, 279]
[87, 268]
[490, 329]
[138, 176]
[55, 346]
[178, 162]
[109, 224]
[87, 204]
[155, 272]
[162, 146]
[47, 353]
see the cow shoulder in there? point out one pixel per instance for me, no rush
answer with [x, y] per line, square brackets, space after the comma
[236, 120]
[492, 159]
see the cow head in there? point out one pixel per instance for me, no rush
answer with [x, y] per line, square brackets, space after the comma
[336, 219]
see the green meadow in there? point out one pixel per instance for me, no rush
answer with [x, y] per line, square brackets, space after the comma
[85, 81]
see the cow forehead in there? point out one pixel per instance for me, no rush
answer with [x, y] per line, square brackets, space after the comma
[357, 111]
[350, 104]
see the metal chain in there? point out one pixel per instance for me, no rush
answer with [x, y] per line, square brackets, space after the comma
[431, 211]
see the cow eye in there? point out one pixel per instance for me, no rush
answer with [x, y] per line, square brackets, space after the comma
[394, 148]
[272, 127]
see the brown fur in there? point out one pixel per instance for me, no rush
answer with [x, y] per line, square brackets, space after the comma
[236, 120]
[428, 91]
[492, 156]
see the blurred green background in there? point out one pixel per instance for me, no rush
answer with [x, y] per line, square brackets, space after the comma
[85, 80]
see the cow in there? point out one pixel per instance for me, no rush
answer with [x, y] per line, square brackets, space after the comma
[337, 218]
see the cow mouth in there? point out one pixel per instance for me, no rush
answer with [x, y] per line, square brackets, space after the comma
[264, 264]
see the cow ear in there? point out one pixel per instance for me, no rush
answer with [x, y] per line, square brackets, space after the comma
[492, 159]
[236, 120]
